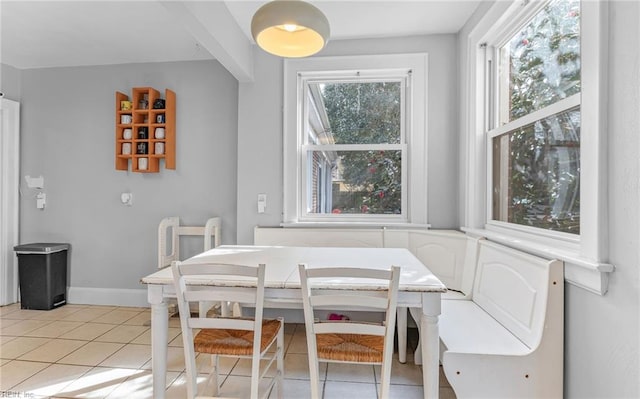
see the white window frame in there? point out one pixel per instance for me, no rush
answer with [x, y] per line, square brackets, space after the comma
[399, 76]
[585, 256]
[297, 72]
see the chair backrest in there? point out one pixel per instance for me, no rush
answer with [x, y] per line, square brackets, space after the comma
[170, 231]
[377, 300]
[235, 283]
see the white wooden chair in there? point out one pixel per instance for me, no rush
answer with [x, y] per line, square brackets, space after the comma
[340, 341]
[169, 233]
[226, 336]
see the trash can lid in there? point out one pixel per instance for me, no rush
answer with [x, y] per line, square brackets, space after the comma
[40, 248]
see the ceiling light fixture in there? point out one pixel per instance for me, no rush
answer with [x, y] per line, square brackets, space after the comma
[290, 28]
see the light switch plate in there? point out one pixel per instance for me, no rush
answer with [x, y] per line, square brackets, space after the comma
[262, 203]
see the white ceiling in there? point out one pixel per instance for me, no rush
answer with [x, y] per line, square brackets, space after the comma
[37, 34]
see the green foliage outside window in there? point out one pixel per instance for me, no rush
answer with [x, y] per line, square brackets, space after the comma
[544, 59]
[366, 113]
[544, 157]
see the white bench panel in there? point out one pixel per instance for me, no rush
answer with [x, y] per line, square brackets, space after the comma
[498, 285]
[513, 288]
[453, 295]
[460, 319]
[442, 251]
[502, 377]
[442, 260]
[303, 237]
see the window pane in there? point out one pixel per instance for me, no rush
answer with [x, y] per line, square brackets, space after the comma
[362, 113]
[542, 61]
[354, 182]
[536, 174]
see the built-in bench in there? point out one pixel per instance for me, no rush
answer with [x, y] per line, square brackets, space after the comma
[505, 340]
[501, 326]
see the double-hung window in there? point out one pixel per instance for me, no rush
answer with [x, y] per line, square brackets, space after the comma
[535, 139]
[536, 99]
[354, 148]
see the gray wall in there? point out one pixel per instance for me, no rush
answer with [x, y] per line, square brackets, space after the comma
[260, 129]
[68, 137]
[10, 82]
[602, 333]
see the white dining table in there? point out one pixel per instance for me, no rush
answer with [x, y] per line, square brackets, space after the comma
[419, 291]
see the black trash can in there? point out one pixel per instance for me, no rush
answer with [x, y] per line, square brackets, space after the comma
[42, 271]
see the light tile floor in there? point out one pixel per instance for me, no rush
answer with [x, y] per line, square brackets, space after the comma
[82, 351]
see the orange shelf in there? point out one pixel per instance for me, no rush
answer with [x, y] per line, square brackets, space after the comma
[142, 114]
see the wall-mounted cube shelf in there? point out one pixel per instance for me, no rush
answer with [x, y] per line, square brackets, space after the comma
[145, 134]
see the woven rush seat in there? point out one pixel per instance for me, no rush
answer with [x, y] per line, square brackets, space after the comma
[260, 340]
[234, 342]
[350, 347]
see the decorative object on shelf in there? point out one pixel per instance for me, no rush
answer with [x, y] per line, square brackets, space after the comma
[142, 148]
[143, 132]
[290, 28]
[145, 135]
[125, 105]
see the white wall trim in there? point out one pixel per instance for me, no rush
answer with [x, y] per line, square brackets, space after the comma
[9, 203]
[417, 193]
[107, 296]
[594, 231]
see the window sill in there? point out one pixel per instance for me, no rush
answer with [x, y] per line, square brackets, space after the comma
[579, 271]
[345, 224]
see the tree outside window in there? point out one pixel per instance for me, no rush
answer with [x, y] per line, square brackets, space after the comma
[536, 150]
[363, 129]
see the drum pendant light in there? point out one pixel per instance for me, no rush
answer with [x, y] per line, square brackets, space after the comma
[290, 28]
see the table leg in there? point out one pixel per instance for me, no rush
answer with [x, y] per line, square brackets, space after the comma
[431, 365]
[430, 344]
[401, 316]
[159, 335]
[416, 313]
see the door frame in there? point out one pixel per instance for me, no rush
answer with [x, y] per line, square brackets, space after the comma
[9, 199]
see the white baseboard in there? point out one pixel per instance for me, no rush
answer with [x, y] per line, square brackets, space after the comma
[107, 296]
